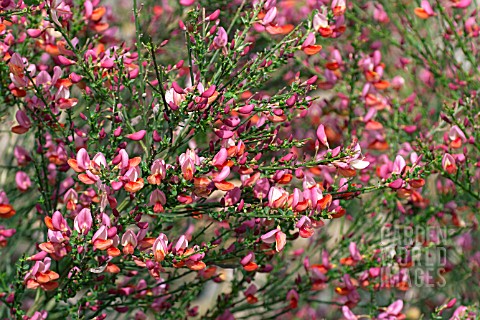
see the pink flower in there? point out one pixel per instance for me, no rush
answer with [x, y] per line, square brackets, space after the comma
[157, 200]
[22, 156]
[299, 203]
[23, 181]
[379, 14]
[5, 234]
[338, 7]
[181, 245]
[188, 161]
[221, 40]
[134, 180]
[398, 165]
[222, 175]
[348, 314]
[99, 162]
[250, 294]
[248, 262]
[459, 313]
[305, 226]
[83, 221]
[17, 73]
[448, 164]
[158, 172]
[101, 240]
[277, 236]
[425, 11]
[129, 242]
[41, 276]
[456, 137]
[392, 311]
[160, 248]
[24, 123]
[354, 253]
[261, 188]
[83, 160]
[58, 8]
[70, 198]
[320, 24]
[277, 197]
[57, 222]
[173, 98]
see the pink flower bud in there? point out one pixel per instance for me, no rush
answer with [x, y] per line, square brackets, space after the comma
[187, 3]
[321, 136]
[136, 136]
[214, 15]
[246, 109]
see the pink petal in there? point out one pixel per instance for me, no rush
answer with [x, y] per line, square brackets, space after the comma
[220, 157]
[223, 174]
[280, 241]
[65, 61]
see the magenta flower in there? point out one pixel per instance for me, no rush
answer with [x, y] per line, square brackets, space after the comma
[459, 313]
[425, 11]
